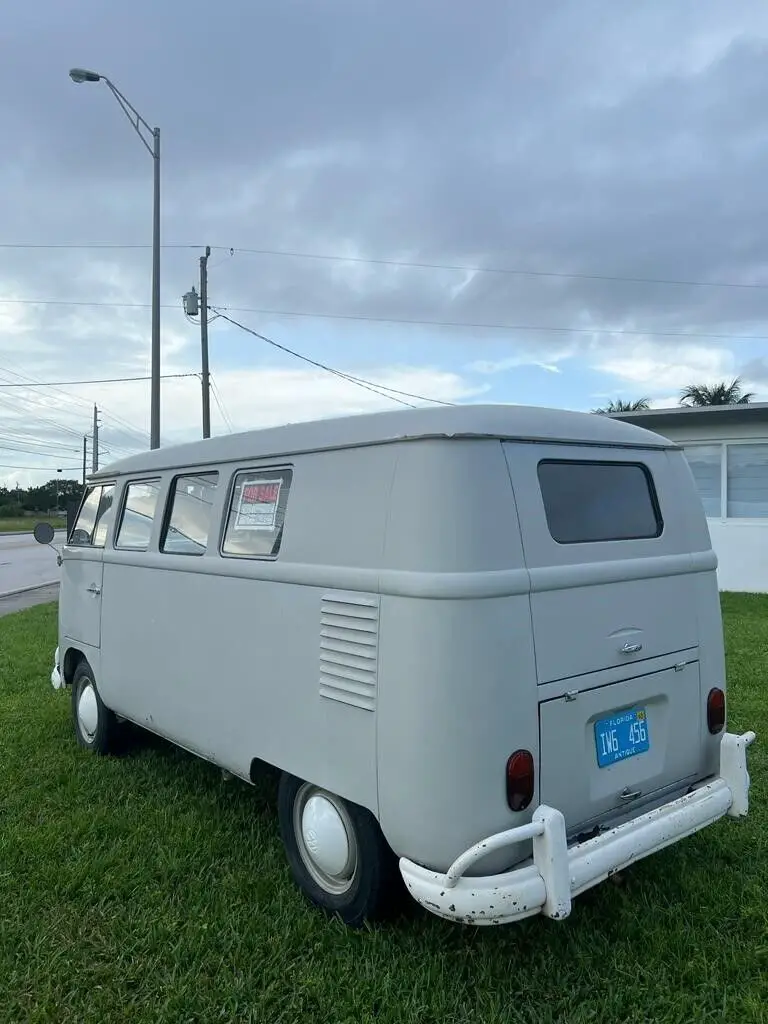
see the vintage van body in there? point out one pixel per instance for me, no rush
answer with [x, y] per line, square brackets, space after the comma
[482, 644]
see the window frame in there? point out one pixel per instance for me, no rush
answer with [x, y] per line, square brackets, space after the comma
[123, 505]
[101, 486]
[265, 471]
[168, 512]
[723, 446]
[624, 463]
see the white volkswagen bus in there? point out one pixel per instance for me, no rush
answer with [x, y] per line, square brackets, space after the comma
[482, 645]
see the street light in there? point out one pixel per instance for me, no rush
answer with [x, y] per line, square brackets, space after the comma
[142, 129]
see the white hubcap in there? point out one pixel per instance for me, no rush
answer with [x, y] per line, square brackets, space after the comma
[88, 711]
[326, 839]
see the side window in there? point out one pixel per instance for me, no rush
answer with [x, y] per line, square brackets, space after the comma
[138, 515]
[586, 502]
[93, 520]
[254, 527]
[188, 522]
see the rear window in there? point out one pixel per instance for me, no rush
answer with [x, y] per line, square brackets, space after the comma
[586, 502]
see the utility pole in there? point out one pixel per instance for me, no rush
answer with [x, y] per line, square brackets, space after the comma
[85, 456]
[206, 379]
[95, 460]
[194, 304]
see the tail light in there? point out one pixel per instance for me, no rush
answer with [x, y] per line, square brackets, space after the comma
[520, 780]
[715, 710]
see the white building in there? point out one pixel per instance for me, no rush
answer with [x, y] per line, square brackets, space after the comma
[727, 448]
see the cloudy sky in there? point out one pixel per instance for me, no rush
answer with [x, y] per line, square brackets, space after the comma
[552, 204]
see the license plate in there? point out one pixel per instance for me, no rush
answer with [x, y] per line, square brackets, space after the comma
[621, 736]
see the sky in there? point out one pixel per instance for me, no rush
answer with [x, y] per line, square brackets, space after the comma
[546, 204]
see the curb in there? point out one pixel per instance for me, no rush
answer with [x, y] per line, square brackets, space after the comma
[27, 533]
[27, 590]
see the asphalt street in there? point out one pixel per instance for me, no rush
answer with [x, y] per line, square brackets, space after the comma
[25, 563]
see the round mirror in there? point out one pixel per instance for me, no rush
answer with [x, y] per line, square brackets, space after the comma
[44, 533]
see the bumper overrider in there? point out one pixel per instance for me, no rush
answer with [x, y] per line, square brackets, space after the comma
[56, 679]
[558, 872]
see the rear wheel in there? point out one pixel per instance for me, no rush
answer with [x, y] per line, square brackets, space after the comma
[337, 854]
[95, 725]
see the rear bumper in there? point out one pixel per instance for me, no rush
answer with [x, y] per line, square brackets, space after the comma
[558, 872]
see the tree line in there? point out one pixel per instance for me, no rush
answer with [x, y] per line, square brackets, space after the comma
[692, 395]
[56, 494]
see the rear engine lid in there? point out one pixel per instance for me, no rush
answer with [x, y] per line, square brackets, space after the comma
[608, 750]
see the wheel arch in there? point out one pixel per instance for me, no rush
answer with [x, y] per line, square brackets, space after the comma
[72, 658]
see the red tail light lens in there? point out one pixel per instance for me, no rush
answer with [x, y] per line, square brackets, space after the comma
[520, 780]
[715, 710]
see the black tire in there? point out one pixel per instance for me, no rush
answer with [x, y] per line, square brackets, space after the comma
[369, 891]
[95, 725]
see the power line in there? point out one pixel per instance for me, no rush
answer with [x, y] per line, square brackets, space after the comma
[42, 469]
[461, 324]
[411, 264]
[9, 434]
[95, 245]
[61, 427]
[505, 271]
[379, 389]
[498, 326]
[33, 383]
[103, 380]
[220, 403]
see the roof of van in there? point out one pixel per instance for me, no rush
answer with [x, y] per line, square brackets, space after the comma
[506, 422]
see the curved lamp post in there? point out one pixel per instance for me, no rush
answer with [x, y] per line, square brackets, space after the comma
[150, 137]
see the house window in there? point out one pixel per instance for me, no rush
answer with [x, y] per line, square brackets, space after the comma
[731, 479]
[747, 481]
[705, 462]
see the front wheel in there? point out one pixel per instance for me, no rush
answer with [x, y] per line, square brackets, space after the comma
[95, 725]
[336, 852]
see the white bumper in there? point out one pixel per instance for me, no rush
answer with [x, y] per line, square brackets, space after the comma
[547, 884]
[56, 681]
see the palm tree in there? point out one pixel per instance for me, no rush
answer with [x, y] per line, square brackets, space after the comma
[619, 405]
[718, 394]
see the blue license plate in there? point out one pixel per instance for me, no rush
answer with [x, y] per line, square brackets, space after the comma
[621, 736]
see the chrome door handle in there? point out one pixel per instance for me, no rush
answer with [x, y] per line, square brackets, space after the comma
[631, 648]
[630, 794]
[93, 589]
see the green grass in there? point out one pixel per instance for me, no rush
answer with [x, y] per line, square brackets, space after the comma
[144, 888]
[27, 524]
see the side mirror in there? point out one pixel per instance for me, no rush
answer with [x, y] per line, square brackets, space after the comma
[44, 533]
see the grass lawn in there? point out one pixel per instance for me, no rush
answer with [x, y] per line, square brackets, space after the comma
[145, 888]
[27, 524]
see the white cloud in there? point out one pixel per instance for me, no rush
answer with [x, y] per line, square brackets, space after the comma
[656, 367]
[262, 398]
[550, 362]
[252, 398]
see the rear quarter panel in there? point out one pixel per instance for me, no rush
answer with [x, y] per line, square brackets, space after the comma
[458, 680]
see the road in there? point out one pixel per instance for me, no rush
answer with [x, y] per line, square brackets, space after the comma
[25, 563]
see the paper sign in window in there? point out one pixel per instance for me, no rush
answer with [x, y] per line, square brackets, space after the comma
[257, 507]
